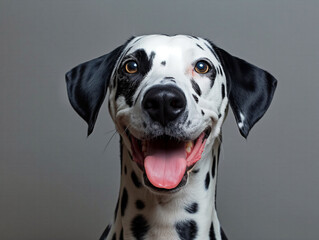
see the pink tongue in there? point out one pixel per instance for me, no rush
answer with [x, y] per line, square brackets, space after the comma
[165, 171]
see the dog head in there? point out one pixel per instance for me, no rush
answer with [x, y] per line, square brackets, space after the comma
[168, 97]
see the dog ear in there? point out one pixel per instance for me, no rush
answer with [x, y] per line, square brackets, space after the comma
[87, 85]
[250, 90]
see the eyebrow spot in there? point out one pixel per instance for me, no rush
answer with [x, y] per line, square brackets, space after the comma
[199, 46]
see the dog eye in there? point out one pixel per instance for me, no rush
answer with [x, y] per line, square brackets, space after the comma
[202, 67]
[131, 67]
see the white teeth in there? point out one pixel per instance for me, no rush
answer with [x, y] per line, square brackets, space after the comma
[189, 146]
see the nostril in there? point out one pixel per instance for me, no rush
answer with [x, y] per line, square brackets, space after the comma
[151, 103]
[176, 103]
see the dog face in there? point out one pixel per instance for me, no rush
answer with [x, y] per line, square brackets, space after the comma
[168, 98]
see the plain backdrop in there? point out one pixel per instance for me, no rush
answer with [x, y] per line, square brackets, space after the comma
[55, 183]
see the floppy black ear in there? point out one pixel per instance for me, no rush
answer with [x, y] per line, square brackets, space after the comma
[250, 90]
[87, 85]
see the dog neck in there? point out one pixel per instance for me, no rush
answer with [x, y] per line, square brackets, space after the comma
[187, 214]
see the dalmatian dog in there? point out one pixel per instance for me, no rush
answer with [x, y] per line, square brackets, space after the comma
[168, 97]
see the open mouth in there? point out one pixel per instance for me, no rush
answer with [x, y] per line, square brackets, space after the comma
[166, 160]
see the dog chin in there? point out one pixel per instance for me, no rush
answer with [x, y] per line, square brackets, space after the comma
[166, 161]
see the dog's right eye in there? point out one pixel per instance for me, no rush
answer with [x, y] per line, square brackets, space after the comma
[131, 67]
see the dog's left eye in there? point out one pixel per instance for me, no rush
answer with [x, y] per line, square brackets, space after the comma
[131, 67]
[202, 67]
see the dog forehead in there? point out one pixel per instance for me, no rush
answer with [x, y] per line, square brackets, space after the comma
[168, 46]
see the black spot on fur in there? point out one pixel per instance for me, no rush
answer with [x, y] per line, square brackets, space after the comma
[223, 90]
[221, 71]
[152, 55]
[212, 50]
[109, 105]
[217, 70]
[163, 63]
[114, 236]
[193, 208]
[128, 83]
[222, 233]
[121, 153]
[202, 112]
[212, 76]
[187, 230]
[135, 180]
[116, 208]
[214, 167]
[139, 227]
[195, 171]
[195, 97]
[219, 115]
[199, 46]
[207, 180]
[124, 201]
[196, 87]
[105, 232]
[140, 204]
[137, 40]
[212, 232]
[121, 235]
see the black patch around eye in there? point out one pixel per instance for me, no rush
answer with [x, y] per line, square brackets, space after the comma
[199, 46]
[124, 201]
[195, 97]
[163, 63]
[139, 227]
[128, 83]
[196, 87]
[105, 232]
[193, 208]
[135, 180]
[223, 90]
[187, 230]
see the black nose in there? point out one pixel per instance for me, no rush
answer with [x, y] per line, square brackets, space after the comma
[164, 103]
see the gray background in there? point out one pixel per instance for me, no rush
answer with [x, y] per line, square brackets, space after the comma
[57, 184]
